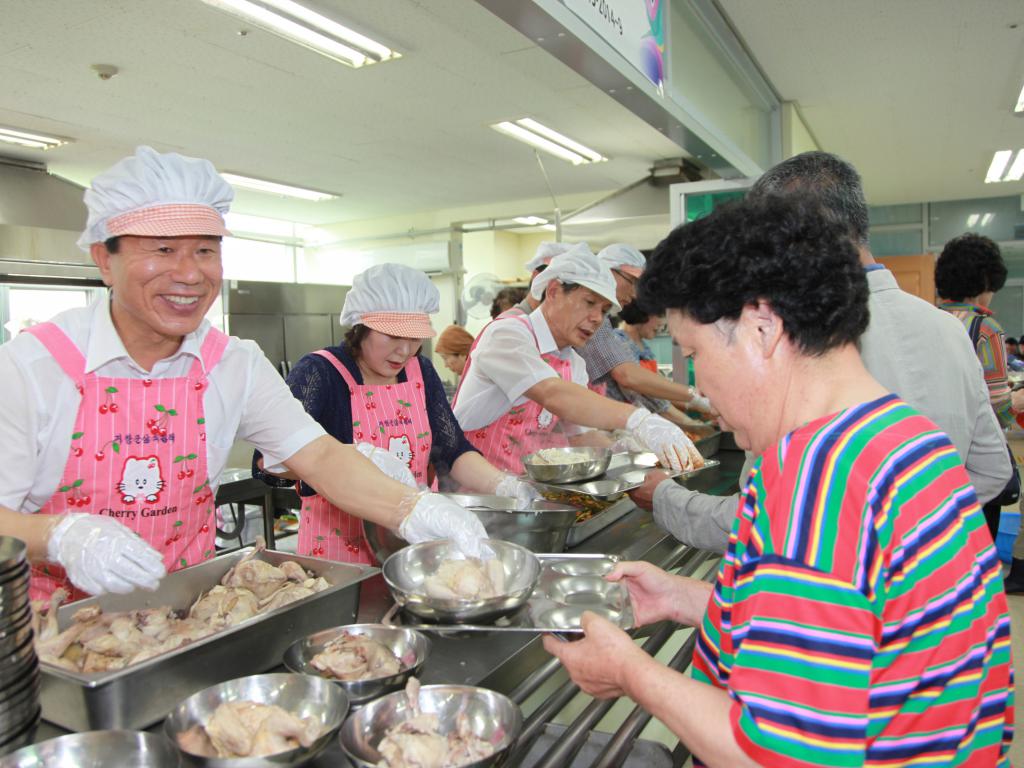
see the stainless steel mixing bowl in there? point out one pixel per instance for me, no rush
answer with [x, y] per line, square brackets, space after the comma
[302, 695]
[595, 465]
[406, 570]
[409, 646]
[125, 749]
[540, 526]
[489, 715]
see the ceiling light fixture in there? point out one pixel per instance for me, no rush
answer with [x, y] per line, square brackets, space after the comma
[530, 221]
[541, 137]
[276, 188]
[309, 29]
[996, 169]
[1016, 172]
[1019, 109]
[30, 140]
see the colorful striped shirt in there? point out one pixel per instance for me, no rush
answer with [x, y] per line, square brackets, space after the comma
[991, 351]
[859, 617]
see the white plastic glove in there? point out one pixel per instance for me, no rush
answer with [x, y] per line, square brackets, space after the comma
[101, 555]
[388, 463]
[435, 516]
[663, 437]
[699, 403]
[514, 488]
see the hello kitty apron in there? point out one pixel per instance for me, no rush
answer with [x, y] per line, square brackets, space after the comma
[524, 428]
[138, 454]
[389, 416]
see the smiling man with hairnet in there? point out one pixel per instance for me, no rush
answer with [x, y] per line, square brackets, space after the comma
[523, 379]
[118, 418]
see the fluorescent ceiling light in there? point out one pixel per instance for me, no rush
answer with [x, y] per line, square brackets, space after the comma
[1020, 101]
[30, 140]
[309, 29]
[541, 137]
[565, 141]
[999, 162]
[530, 221]
[972, 220]
[1016, 172]
[275, 188]
[259, 225]
[1001, 169]
[986, 219]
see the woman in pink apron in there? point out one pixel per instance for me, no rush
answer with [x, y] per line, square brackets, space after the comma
[377, 392]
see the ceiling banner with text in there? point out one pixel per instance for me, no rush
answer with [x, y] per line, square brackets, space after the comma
[634, 28]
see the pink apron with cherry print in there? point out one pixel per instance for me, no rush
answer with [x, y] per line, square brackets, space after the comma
[138, 454]
[389, 416]
[524, 428]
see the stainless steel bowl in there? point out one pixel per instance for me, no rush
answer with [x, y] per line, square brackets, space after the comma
[406, 570]
[595, 465]
[126, 749]
[302, 695]
[409, 646]
[540, 526]
[13, 553]
[11, 741]
[489, 715]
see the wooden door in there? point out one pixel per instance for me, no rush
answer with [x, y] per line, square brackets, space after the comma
[914, 274]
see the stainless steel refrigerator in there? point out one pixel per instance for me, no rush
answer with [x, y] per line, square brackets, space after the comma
[287, 320]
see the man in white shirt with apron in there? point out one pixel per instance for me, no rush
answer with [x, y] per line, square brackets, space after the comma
[525, 388]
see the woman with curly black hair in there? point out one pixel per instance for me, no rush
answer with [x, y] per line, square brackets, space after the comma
[857, 616]
[968, 273]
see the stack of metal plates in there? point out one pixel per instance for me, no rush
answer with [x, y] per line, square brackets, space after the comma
[19, 668]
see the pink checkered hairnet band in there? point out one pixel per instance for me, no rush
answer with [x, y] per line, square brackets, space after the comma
[408, 325]
[171, 220]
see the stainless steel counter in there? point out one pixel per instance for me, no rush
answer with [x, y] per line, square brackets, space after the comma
[517, 665]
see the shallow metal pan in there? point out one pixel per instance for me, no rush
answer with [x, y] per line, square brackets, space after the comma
[141, 694]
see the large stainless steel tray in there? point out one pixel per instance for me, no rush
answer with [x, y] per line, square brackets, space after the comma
[584, 529]
[568, 586]
[709, 445]
[142, 694]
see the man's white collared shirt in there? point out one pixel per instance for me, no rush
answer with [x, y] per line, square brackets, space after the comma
[506, 362]
[247, 399]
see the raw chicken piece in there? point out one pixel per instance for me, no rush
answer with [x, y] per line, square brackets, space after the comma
[356, 657]
[99, 642]
[293, 571]
[248, 729]
[417, 742]
[196, 742]
[469, 579]
[224, 607]
[259, 577]
[286, 594]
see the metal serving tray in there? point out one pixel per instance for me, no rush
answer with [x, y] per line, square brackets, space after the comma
[568, 586]
[604, 497]
[142, 694]
[583, 530]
